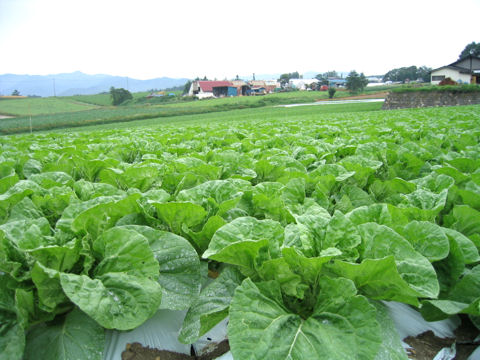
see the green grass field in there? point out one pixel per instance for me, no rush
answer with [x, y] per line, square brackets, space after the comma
[103, 99]
[133, 117]
[69, 116]
[97, 99]
[41, 106]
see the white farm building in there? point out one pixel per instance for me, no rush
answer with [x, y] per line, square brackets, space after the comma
[463, 71]
[301, 84]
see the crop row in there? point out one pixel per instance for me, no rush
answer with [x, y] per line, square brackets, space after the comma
[308, 225]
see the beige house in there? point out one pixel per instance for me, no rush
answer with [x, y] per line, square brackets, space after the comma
[463, 71]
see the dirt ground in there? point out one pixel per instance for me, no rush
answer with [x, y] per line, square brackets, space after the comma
[379, 95]
[136, 351]
[425, 346]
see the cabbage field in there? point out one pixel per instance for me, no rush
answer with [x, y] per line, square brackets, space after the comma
[294, 228]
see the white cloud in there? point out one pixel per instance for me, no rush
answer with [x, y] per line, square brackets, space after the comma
[146, 38]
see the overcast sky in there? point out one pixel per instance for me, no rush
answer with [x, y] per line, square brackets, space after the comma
[145, 39]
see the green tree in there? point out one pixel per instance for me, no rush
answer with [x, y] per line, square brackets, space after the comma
[187, 86]
[356, 82]
[331, 92]
[473, 48]
[16, 93]
[119, 95]
[322, 79]
[424, 73]
[401, 74]
[405, 74]
[285, 78]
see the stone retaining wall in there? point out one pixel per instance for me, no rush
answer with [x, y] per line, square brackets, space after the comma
[415, 99]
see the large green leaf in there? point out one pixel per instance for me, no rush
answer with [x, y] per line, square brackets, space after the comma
[378, 213]
[240, 241]
[428, 239]
[73, 337]
[12, 337]
[466, 220]
[13, 261]
[176, 214]
[86, 190]
[426, 205]
[51, 179]
[467, 248]
[378, 279]
[301, 238]
[342, 234]
[342, 326]
[379, 241]
[269, 203]
[61, 258]
[435, 183]
[179, 265]
[28, 234]
[315, 218]
[463, 298]
[390, 190]
[12, 334]
[104, 215]
[76, 208]
[115, 300]
[49, 288]
[296, 273]
[219, 190]
[125, 291]
[391, 348]
[202, 238]
[211, 306]
[15, 194]
[122, 250]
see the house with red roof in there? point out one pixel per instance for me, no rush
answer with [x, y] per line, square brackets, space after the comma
[206, 88]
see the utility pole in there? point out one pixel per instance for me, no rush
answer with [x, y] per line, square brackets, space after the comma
[30, 113]
[471, 73]
[127, 83]
[54, 93]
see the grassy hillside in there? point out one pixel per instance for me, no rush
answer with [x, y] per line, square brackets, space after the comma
[158, 114]
[51, 113]
[98, 99]
[308, 113]
[103, 99]
[37, 106]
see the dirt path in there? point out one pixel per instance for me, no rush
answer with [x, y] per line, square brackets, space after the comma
[379, 95]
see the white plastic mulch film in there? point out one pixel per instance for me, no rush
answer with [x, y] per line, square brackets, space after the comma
[161, 332]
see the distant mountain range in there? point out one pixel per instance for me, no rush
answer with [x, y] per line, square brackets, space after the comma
[78, 83]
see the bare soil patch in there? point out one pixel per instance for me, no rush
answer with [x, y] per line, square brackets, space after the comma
[137, 351]
[426, 345]
[378, 95]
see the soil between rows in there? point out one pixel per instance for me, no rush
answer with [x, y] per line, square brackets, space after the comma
[137, 351]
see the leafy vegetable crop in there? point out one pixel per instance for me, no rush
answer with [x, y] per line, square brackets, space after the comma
[309, 226]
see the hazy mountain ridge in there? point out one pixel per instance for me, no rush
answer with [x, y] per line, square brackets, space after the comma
[78, 83]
